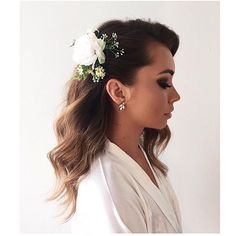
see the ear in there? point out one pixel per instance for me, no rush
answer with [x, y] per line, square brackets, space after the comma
[117, 91]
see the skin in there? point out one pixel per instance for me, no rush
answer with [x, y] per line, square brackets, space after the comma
[145, 102]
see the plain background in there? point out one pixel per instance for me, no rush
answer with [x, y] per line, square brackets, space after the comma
[46, 32]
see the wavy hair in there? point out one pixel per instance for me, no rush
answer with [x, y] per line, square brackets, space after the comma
[83, 123]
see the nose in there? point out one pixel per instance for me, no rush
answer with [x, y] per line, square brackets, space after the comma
[175, 97]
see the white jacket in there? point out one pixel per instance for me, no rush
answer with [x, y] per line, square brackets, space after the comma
[117, 196]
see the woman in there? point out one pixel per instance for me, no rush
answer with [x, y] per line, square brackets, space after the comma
[114, 126]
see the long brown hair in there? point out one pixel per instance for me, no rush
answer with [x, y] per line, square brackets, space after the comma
[83, 123]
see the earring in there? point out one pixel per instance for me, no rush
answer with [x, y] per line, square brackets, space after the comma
[122, 106]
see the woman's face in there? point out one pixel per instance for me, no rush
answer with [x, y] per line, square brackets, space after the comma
[150, 98]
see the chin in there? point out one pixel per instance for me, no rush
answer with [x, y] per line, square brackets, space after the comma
[162, 127]
[159, 126]
[159, 123]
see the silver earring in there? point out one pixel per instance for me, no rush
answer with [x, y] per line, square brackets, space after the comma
[122, 106]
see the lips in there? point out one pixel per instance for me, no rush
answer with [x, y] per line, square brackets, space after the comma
[169, 115]
[169, 112]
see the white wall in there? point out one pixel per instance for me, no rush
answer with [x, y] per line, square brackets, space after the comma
[47, 30]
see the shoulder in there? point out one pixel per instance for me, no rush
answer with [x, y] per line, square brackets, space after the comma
[110, 188]
[107, 172]
[109, 176]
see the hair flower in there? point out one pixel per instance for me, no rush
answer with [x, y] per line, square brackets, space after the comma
[89, 54]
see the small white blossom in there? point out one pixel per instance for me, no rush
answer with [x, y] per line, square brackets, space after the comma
[90, 71]
[104, 36]
[117, 54]
[80, 70]
[114, 35]
[100, 72]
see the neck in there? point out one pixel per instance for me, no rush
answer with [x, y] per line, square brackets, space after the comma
[127, 139]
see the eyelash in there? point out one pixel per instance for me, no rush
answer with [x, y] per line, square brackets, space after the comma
[164, 85]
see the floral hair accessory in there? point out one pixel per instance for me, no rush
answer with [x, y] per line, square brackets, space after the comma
[89, 54]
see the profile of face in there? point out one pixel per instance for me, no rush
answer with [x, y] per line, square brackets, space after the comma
[153, 94]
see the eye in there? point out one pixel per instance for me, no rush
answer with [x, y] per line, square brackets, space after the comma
[164, 84]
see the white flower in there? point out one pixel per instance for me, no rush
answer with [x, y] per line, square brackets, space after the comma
[88, 48]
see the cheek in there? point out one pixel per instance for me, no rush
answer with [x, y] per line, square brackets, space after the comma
[156, 100]
[155, 107]
[150, 102]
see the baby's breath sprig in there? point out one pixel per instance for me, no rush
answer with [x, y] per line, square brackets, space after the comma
[112, 44]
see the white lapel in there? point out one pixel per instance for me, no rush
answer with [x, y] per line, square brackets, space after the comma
[167, 208]
[143, 179]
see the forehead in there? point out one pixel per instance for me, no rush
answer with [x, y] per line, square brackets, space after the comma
[161, 56]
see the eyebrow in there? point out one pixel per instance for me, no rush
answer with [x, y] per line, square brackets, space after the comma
[167, 71]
